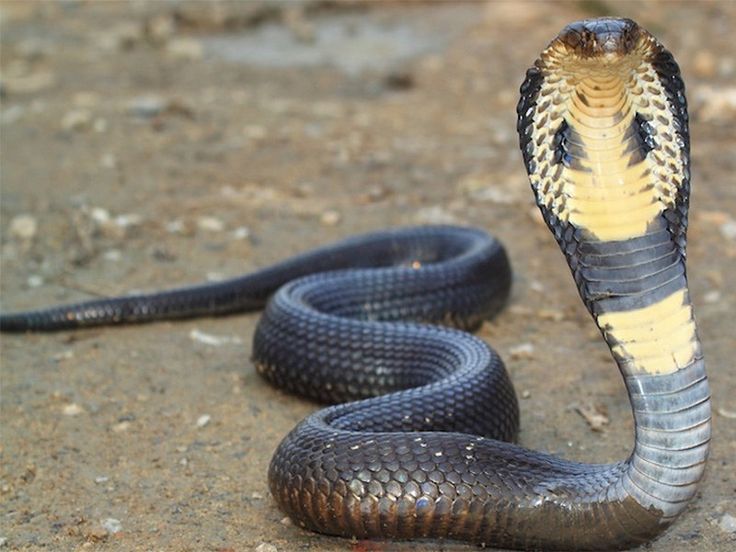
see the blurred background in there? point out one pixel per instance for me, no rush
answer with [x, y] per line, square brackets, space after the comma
[151, 144]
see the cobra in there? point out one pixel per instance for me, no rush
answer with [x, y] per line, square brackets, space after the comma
[422, 447]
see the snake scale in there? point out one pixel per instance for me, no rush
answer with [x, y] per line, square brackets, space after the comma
[420, 442]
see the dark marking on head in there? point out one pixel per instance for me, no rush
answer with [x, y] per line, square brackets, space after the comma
[596, 37]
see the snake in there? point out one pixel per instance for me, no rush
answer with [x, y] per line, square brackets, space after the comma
[417, 440]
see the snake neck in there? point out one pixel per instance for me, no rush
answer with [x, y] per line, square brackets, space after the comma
[604, 135]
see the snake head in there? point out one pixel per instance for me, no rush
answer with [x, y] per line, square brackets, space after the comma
[601, 38]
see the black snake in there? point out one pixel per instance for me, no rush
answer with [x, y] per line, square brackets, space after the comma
[423, 450]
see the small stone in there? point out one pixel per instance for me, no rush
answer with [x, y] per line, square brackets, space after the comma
[551, 314]
[330, 218]
[435, 214]
[731, 414]
[728, 229]
[112, 255]
[187, 49]
[34, 281]
[3, 541]
[108, 161]
[96, 534]
[704, 64]
[210, 224]
[11, 114]
[121, 427]
[112, 525]
[203, 420]
[77, 119]
[523, 350]
[72, 409]
[266, 547]
[99, 215]
[713, 296]
[241, 233]
[64, 355]
[23, 227]
[727, 523]
[101, 479]
[100, 125]
[255, 495]
[160, 28]
[525, 394]
[286, 521]
[147, 107]
[254, 132]
[28, 84]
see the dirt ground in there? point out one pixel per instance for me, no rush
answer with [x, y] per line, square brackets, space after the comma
[147, 144]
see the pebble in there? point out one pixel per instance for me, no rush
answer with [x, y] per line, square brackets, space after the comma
[28, 84]
[23, 227]
[435, 214]
[731, 414]
[704, 64]
[34, 281]
[713, 296]
[203, 420]
[214, 340]
[210, 224]
[111, 525]
[77, 119]
[187, 49]
[330, 218]
[525, 394]
[241, 233]
[112, 255]
[3, 541]
[11, 114]
[715, 104]
[108, 161]
[266, 547]
[727, 523]
[256, 495]
[523, 350]
[728, 229]
[121, 427]
[101, 479]
[147, 107]
[72, 409]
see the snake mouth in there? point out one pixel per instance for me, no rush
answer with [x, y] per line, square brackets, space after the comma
[605, 39]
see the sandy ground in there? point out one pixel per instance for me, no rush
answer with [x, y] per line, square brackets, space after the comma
[152, 144]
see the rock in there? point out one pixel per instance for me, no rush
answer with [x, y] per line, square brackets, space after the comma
[330, 218]
[704, 64]
[523, 350]
[111, 525]
[727, 523]
[12, 114]
[28, 84]
[203, 420]
[23, 227]
[187, 49]
[728, 229]
[266, 547]
[210, 224]
[214, 340]
[715, 104]
[241, 233]
[121, 427]
[730, 414]
[435, 214]
[72, 409]
[34, 281]
[147, 107]
[101, 479]
[77, 119]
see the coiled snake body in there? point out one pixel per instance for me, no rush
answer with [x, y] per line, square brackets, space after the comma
[423, 450]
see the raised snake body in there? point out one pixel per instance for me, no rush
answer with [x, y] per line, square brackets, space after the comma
[603, 130]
